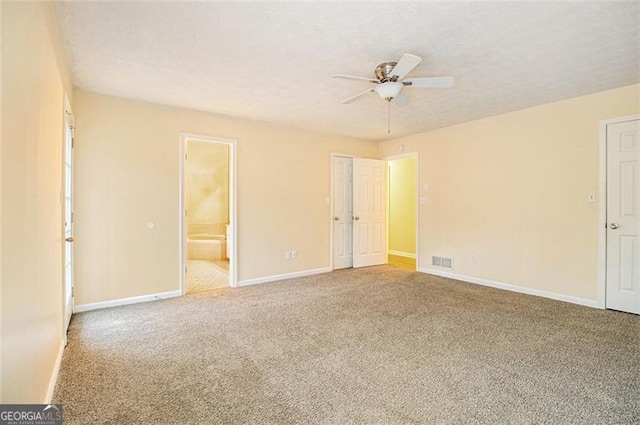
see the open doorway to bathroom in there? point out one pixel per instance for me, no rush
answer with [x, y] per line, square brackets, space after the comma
[208, 205]
[402, 210]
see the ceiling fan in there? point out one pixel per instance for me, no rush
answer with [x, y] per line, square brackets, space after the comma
[389, 80]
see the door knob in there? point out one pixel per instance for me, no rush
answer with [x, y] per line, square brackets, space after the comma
[69, 239]
[336, 218]
[356, 218]
[613, 226]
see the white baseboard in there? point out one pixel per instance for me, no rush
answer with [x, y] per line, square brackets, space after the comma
[54, 375]
[125, 301]
[273, 278]
[402, 254]
[513, 288]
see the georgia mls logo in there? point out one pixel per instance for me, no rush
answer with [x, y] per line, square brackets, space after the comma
[54, 408]
[30, 414]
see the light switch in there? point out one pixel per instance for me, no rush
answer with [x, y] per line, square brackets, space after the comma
[327, 200]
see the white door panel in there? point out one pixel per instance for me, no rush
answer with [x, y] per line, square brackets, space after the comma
[623, 191]
[342, 212]
[369, 210]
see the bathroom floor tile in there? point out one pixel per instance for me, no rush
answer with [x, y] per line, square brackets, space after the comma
[206, 275]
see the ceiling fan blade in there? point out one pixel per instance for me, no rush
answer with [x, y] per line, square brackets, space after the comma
[401, 99]
[430, 82]
[351, 99]
[351, 77]
[406, 64]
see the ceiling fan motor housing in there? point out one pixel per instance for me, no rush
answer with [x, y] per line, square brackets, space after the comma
[383, 70]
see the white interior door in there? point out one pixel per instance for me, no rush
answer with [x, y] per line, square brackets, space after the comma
[369, 210]
[623, 191]
[342, 212]
[68, 219]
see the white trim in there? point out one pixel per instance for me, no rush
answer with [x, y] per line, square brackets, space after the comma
[401, 156]
[54, 374]
[416, 155]
[284, 276]
[513, 288]
[602, 210]
[620, 119]
[233, 199]
[602, 217]
[126, 301]
[345, 155]
[401, 254]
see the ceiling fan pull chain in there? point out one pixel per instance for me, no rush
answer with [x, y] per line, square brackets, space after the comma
[388, 117]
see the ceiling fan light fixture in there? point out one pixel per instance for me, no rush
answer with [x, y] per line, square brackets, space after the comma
[388, 90]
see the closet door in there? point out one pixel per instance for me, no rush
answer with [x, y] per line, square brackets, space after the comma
[623, 216]
[369, 212]
[342, 213]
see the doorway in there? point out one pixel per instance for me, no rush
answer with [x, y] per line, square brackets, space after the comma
[622, 222]
[208, 214]
[402, 210]
[68, 289]
[359, 221]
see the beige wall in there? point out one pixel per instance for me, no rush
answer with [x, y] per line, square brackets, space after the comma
[127, 174]
[207, 187]
[512, 190]
[33, 81]
[402, 205]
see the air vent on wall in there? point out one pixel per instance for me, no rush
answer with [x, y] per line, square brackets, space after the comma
[446, 262]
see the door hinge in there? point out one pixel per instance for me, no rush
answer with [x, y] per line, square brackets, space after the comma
[73, 142]
[186, 213]
[73, 291]
[185, 156]
[185, 270]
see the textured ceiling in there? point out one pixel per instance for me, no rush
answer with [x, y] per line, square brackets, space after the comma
[274, 61]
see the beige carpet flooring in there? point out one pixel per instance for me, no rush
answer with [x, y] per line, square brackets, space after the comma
[374, 345]
[206, 275]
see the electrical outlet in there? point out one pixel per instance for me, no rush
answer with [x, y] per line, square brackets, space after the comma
[287, 255]
[474, 260]
[294, 253]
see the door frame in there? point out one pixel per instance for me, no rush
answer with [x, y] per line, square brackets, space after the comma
[602, 210]
[415, 155]
[330, 215]
[68, 124]
[233, 213]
